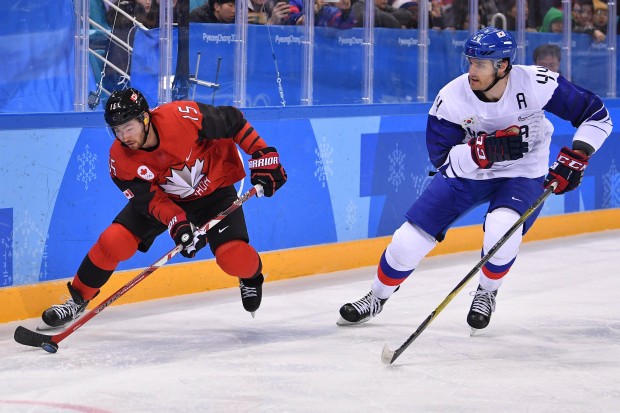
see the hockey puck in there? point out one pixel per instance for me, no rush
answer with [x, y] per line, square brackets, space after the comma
[50, 347]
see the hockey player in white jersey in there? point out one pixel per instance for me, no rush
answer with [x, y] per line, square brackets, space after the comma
[488, 137]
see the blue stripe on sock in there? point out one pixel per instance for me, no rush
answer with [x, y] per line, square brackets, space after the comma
[499, 269]
[391, 272]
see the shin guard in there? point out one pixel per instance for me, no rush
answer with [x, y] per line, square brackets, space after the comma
[114, 245]
[497, 223]
[409, 245]
[239, 259]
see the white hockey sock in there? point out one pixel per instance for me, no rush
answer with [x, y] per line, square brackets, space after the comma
[496, 224]
[489, 284]
[381, 290]
[409, 245]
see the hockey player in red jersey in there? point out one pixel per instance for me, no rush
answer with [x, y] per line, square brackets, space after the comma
[176, 164]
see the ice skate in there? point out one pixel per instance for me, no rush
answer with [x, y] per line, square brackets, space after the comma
[251, 292]
[361, 310]
[481, 309]
[58, 316]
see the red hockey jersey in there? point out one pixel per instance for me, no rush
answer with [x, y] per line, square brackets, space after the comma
[197, 153]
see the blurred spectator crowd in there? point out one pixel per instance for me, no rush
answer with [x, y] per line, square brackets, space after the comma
[122, 17]
[588, 16]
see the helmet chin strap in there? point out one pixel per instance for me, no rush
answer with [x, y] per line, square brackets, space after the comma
[146, 126]
[497, 79]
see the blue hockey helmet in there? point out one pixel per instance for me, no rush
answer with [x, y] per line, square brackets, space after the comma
[493, 44]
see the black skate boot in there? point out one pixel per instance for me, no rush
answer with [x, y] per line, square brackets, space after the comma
[361, 310]
[60, 315]
[481, 308]
[251, 292]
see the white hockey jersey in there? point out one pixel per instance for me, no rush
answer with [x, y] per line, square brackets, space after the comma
[457, 115]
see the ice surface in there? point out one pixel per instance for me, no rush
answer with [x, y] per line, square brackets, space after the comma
[553, 346]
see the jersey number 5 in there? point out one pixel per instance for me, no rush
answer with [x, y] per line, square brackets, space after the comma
[188, 110]
[112, 168]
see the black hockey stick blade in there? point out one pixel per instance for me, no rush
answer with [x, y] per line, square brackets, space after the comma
[33, 339]
[50, 343]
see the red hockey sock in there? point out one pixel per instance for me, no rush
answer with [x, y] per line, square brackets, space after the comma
[87, 293]
[238, 258]
[114, 245]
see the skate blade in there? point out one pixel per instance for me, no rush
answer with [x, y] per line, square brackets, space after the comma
[44, 327]
[474, 332]
[253, 313]
[344, 323]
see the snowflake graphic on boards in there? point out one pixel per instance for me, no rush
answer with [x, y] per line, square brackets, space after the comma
[324, 161]
[420, 182]
[87, 161]
[6, 277]
[611, 187]
[28, 242]
[184, 182]
[397, 168]
[351, 215]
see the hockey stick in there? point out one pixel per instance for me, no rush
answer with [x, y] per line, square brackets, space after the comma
[388, 356]
[50, 343]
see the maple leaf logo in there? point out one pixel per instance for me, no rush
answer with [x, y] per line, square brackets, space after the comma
[183, 182]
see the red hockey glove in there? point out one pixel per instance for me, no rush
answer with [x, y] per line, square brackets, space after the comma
[266, 170]
[501, 145]
[185, 233]
[567, 171]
